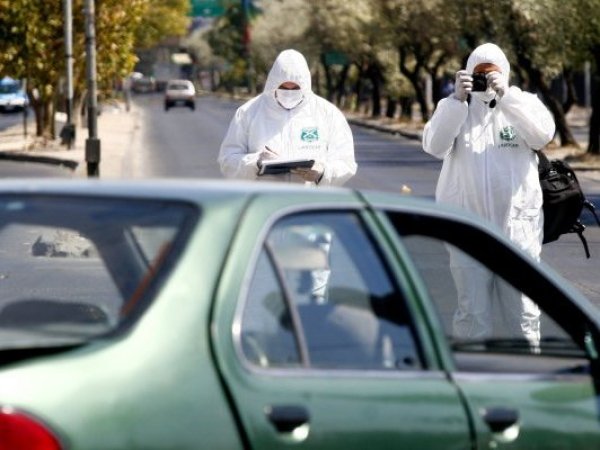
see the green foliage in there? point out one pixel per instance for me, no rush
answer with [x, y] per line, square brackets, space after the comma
[235, 75]
[32, 41]
[30, 28]
[226, 37]
[438, 34]
[228, 40]
[161, 18]
[272, 31]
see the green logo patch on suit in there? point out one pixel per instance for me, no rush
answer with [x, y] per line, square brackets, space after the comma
[310, 134]
[508, 133]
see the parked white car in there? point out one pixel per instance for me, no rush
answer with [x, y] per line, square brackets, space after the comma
[180, 92]
[12, 95]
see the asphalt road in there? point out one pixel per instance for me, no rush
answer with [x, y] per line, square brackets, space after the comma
[182, 142]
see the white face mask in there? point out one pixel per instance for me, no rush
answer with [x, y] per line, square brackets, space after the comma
[289, 99]
[485, 96]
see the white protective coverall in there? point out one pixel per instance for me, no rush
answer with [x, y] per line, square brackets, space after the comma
[314, 129]
[489, 168]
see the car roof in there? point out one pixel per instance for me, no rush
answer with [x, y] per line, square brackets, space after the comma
[200, 190]
[214, 191]
[180, 82]
[182, 189]
[8, 81]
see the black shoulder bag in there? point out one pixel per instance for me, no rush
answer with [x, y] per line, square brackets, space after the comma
[563, 201]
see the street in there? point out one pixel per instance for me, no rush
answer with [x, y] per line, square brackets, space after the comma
[180, 142]
[184, 143]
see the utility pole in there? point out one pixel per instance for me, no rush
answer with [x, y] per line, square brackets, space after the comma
[92, 143]
[246, 4]
[25, 112]
[68, 132]
[587, 80]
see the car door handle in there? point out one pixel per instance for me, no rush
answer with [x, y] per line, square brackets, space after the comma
[500, 418]
[286, 418]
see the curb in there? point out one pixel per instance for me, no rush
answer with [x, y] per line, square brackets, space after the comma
[580, 167]
[385, 129]
[574, 164]
[11, 156]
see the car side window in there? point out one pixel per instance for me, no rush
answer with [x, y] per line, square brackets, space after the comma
[490, 322]
[72, 269]
[322, 297]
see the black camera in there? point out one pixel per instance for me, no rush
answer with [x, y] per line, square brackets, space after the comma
[479, 82]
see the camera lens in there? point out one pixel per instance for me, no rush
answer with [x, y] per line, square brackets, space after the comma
[479, 82]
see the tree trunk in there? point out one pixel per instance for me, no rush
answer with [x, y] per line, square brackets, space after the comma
[44, 109]
[341, 85]
[436, 89]
[571, 93]
[594, 133]
[413, 77]
[594, 136]
[562, 127]
[358, 87]
[376, 78]
[422, 101]
[406, 107]
[46, 119]
[390, 110]
[329, 89]
[38, 110]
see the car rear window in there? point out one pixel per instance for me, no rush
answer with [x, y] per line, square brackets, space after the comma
[74, 268]
[11, 88]
[179, 87]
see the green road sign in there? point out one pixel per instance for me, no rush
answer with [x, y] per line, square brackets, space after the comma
[336, 58]
[210, 8]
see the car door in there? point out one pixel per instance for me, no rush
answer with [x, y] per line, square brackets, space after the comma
[325, 347]
[520, 395]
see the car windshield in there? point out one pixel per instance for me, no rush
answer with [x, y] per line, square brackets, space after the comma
[72, 268]
[179, 87]
[10, 88]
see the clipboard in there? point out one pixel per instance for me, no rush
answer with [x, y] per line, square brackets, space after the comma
[280, 166]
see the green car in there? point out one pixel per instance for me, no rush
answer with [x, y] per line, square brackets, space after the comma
[220, 315]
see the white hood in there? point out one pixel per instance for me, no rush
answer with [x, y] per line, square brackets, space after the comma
[315, 129]
[489, 53]
[290, 65]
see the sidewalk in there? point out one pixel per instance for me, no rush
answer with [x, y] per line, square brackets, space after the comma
[117, 127]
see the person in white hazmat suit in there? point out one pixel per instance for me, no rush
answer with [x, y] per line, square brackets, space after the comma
[289, 121]
[486, 140]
